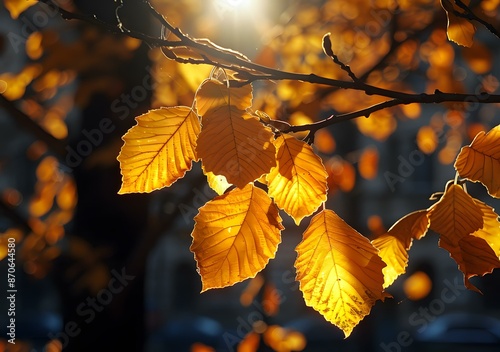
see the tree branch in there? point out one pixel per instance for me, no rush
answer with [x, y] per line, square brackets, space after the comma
[248, 72]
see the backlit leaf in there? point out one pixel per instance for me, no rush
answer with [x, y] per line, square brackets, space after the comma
[232, 142]
[339, 271]
[234, 236]
[159, 149]
[393, 246]
[460, 30]
[490, 232]
[298, 183]
[474, 257]
[456, 215]
[480, 161]
[213, 95]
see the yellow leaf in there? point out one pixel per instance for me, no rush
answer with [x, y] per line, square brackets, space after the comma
[232, 142]
[16, 7]
[298, 183]
[393, 246]
[490, 232]
[217, 182]
[339, 271]
[456, 215]
[474, 257]
[480, 161]
[213, 95]
[194, 75]
[234, 236]
[460, 30]
[159, 149]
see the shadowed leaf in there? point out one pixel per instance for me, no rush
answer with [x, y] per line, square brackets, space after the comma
[480, 161]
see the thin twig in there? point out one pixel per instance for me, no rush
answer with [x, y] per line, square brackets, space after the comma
[473, 17]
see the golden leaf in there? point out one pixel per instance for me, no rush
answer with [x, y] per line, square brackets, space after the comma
[232, 142]
[159, 149]
[490, 232]
[213, 95]
[460, 30]
[234, 236]
[339, 271]
[393, 245]
[456, 215]
[474, 257]
[480, 161]
[298, 183]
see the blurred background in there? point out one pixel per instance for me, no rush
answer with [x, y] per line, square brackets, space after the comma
[96, 271]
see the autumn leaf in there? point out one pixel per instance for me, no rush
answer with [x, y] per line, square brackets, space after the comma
[478, 254]
[159, 149]
[456, 215]
[234, 236]
[459, 30]
[232, 142]
[474, 257]
[490, 232]
[339, 271]
[462, 221]
[213, 95]
[480, 161]
[298, 183]
[394, 245]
